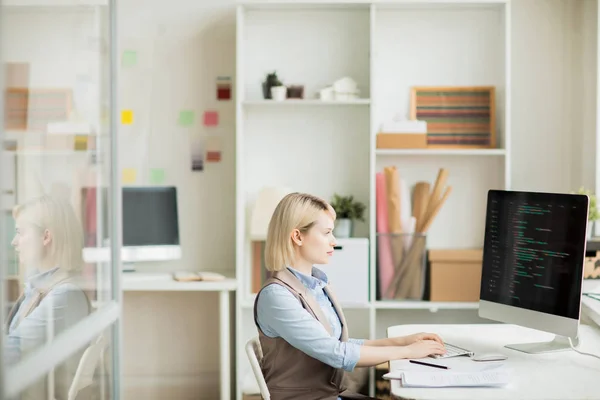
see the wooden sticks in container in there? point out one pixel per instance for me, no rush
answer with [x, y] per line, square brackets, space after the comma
[408, 280]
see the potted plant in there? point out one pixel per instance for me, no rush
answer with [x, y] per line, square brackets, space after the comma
[271, 81]
[593, 213]
[347, 211]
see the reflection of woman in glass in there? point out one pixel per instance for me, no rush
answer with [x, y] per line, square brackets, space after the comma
[49, 243]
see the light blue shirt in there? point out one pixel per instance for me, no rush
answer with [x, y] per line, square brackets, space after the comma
[64, 306]
[280, 314]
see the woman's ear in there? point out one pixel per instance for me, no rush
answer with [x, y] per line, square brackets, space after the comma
[47, 238]
[297, 237]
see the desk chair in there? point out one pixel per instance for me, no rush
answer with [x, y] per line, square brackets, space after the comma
[255, 355]
[84, 376]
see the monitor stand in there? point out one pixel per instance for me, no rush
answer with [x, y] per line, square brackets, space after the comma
[128, 267]
[560, 343]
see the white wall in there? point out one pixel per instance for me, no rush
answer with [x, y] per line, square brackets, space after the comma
[554, 81]
[171, 340]
[182, 48]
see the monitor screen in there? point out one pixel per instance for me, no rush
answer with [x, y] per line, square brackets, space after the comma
[534, 251]
[150, 216]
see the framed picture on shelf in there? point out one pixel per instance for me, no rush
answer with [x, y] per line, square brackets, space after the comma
[457, 116]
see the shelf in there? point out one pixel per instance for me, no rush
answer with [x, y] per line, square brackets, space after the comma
[54, 3]
[391, 4]
[354, 3]
[310, 102]
[425, 305]
[440, 152]
[398, 305]
[249, 304]
[49, 152]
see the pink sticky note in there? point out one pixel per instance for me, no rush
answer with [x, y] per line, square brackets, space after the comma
[211, 118]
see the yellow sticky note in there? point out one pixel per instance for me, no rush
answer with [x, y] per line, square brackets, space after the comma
[129, 175]
[127, 117]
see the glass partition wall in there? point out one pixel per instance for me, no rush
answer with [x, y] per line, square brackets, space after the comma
[60, 199]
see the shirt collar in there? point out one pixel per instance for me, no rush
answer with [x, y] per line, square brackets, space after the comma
[318, 278]
[38, 279]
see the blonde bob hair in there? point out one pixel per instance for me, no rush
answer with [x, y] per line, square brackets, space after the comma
[58, 217]
[295, 211]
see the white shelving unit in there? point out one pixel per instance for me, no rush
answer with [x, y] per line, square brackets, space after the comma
[329, 147]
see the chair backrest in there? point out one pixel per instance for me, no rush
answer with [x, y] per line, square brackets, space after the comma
[84, 376]
[255, 355]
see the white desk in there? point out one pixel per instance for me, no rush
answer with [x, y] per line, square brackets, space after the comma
[563, 375]
[153, 282]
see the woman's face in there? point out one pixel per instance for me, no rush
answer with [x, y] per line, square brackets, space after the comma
[318, 242]
[29, 242]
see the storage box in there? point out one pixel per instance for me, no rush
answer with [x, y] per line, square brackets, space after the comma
[401, 140]
[455, 275]
[592, 267]
[348, 271]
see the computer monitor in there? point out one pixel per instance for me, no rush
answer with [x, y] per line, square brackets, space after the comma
[150, 224]
[150, 227]
[533, 258]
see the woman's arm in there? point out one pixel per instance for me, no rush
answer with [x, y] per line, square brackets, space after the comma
[280, 314]
[374, 355]
[403, 340]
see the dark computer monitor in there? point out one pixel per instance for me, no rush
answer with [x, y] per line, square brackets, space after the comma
[533, 259]
[150, 225]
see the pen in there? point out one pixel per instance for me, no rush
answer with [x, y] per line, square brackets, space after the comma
[427, 364]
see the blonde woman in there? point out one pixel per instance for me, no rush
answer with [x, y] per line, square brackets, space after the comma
[302, 329]
[49, 242]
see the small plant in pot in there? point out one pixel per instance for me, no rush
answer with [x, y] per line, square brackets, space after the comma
[347, 211]
[593, 213]
[271, 81]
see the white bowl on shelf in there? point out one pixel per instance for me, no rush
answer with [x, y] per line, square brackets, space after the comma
[278, 93]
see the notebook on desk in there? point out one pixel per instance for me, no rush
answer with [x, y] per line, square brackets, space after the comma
[461, 372]
[425, 379]
[189, 276]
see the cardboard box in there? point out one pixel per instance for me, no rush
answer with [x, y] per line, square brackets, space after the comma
[401, 140]
[455, 275]
[592, 267]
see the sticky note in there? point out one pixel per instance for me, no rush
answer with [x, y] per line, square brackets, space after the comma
[223, 88]
[129, 175]
[127, 117]
[197, 154]
[129, 58]
[81, 142]
[157, 176]
[186, 118]
[213, 149]
[211, 118]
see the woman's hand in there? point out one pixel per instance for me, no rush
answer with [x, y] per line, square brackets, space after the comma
[424, 348]
[417, 337]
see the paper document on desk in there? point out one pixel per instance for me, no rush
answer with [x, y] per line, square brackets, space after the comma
[493, 378]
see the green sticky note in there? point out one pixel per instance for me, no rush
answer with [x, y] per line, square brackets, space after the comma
[157, 176]
[129, 58]
[186, 118]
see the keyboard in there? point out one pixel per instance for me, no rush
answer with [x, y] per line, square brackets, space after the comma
[453, 351]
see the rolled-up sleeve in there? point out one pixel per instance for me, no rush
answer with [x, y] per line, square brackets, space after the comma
[280, 314]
